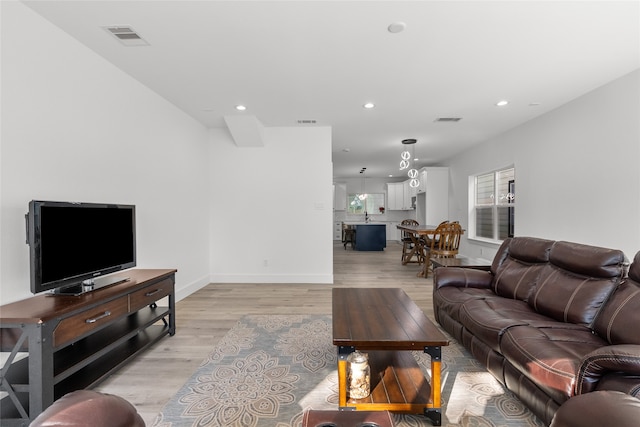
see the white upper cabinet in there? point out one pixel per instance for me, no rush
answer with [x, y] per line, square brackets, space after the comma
[431, 196]
[395, 196]
[399, 196]
[432, 204]
[339, 197]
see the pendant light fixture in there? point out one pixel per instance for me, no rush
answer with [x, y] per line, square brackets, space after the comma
[407, 162]
[363, 194]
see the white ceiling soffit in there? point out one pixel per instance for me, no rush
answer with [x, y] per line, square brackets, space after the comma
[247, 131]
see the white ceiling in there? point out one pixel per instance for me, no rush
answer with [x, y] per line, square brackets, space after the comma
[322, 60]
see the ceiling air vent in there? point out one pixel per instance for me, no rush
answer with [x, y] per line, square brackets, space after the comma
[448, 119]
[126, 35]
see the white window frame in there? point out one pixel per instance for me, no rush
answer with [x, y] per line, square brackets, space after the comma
[497, 202]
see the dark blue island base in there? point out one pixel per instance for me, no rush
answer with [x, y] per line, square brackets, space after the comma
[371, 237]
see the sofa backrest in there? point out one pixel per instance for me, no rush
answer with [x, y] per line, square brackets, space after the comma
[618, 320]
[521, 263]
[501, 255]
[576, 282]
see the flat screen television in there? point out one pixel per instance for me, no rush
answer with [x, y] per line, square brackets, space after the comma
[72, 245]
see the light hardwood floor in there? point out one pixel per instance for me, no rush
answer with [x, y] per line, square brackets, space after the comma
[205, 316]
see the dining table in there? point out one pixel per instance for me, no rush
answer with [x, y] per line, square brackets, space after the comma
[419, 235]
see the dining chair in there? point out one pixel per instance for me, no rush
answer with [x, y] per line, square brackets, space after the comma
[348, 235]
[409, 250]
[445, 243]
[426, 240]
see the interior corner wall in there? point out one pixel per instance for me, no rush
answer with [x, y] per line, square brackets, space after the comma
[577, 174]
[76, 128]
[272, 207]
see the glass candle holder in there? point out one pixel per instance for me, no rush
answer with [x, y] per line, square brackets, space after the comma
[359, 375]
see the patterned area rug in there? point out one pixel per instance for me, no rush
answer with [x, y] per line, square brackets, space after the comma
[268, 369]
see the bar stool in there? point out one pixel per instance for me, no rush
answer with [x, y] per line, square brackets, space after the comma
[348, 235]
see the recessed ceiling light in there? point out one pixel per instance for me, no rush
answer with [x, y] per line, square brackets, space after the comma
[240, 107]
[502, 103]
[369, 105]
[397, 27]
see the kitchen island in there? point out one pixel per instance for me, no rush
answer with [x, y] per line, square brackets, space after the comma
[370, 236]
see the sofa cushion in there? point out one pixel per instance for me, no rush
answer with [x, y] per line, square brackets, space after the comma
[618, 320]
[516, 276]
[450, 298]
[576, 282]
[487, 319]
[550, 357]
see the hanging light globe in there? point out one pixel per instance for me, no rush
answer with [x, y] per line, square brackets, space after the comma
[404, 164]
[414, 183]
[413, 173]
[405, 155]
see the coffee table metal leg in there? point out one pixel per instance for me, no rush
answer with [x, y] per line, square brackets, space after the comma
[433, 413]
[343, 353]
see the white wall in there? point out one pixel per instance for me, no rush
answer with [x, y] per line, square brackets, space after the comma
[272, 207]
[76, 128]
[577, 171]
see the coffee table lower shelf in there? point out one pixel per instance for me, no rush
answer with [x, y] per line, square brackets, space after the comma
[398, 384]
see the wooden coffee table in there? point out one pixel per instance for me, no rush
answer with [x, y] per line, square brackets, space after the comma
[386, 324]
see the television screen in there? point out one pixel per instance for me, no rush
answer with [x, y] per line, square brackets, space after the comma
[71, 243]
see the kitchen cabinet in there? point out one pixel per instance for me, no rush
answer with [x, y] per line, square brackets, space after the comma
[399, 196]
[371, 237]
[339, 197]
[432, 204]
[392, 231]
[395, 196]
[337, 230]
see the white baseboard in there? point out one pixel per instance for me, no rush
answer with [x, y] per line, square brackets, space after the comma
[261, 278]
[186, 290]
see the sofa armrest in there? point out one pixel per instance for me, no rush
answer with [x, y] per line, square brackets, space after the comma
[597, 409]
[621, 358]
[461, 277]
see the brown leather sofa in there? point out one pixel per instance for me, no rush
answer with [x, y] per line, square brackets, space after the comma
[551, 320]
[87, 408]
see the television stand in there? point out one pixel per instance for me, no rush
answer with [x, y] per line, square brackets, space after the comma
[52, 346]
[89, 285]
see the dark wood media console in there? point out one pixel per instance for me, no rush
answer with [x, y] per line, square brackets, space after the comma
[56, 344]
